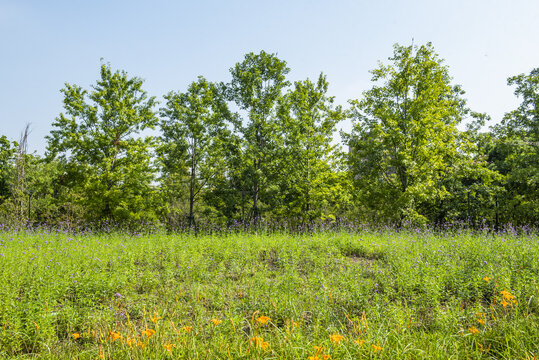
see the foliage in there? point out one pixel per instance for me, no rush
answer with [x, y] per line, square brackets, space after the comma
[7, 151]
[256, 87]
[194, 135]
[97, 141]
[516, 151]
[405, 139]
[309, 181]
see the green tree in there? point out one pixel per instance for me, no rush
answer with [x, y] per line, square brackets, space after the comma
[7, 152]
[256, 86]
[194, 133]
[516, 153]
[405, 137]
[98, 142]
[307, 120]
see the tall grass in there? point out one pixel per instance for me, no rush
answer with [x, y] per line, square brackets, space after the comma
[347, 295]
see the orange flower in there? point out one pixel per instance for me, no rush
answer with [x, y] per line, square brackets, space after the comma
[76, 336]
[487, 279]
[129, 341]
[336, 338]
[375, 348]
[141, 345]
[473, 330]
[216, 322]
[318, 349]
[326, 356]
[169, 347]
[155, 318]
[359, 342]
[481, 318]
[114, 335]
[263, 319]
[187, 329]
[260, 342]
[148, 332]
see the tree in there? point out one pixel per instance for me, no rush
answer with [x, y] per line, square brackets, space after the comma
[516, 153]
[307, 121]
[257, 84]
[7, 152]
[405, 138]
[194, 132]
[97, 140]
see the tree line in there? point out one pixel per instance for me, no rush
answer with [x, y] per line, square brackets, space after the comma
[261, 148]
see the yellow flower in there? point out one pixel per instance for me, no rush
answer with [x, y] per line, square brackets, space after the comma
[326, 356]
[76, 336]
[318, 349]
[216, 322]
[359, 342]
[148, 332]
[487, 279]
[141, 345]
[376, 348]
[263, 319]
[187, 329]
[336, 338]
[313, 358]
[473, 330]
[169, 347]
[155, 318]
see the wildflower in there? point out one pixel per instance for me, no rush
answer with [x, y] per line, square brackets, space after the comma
[336, 338]
[114, 335]
[473, 330]
[318, 349]
[216, 322]
[141, 345]
[76, 336]
[481, 318]
[169, 347]
[313, 358]
[260, 342]
[487, 279]
[507, 295]
[129, 341]
[375, 348]
[326, 357]
[263, 319]
[187, 329]
[148, 332]
[359, 342]
[155, 318]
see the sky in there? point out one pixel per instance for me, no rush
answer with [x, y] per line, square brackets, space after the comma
[45, 44]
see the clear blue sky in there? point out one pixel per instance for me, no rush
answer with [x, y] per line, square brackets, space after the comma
[44, 44]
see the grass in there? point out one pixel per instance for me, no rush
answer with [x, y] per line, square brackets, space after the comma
[341, 295]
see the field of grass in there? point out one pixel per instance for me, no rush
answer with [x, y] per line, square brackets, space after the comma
[334, 295]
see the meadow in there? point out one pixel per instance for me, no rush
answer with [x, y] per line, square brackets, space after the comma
[321, 295]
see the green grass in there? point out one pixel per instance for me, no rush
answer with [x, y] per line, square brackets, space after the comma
[390, 295]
